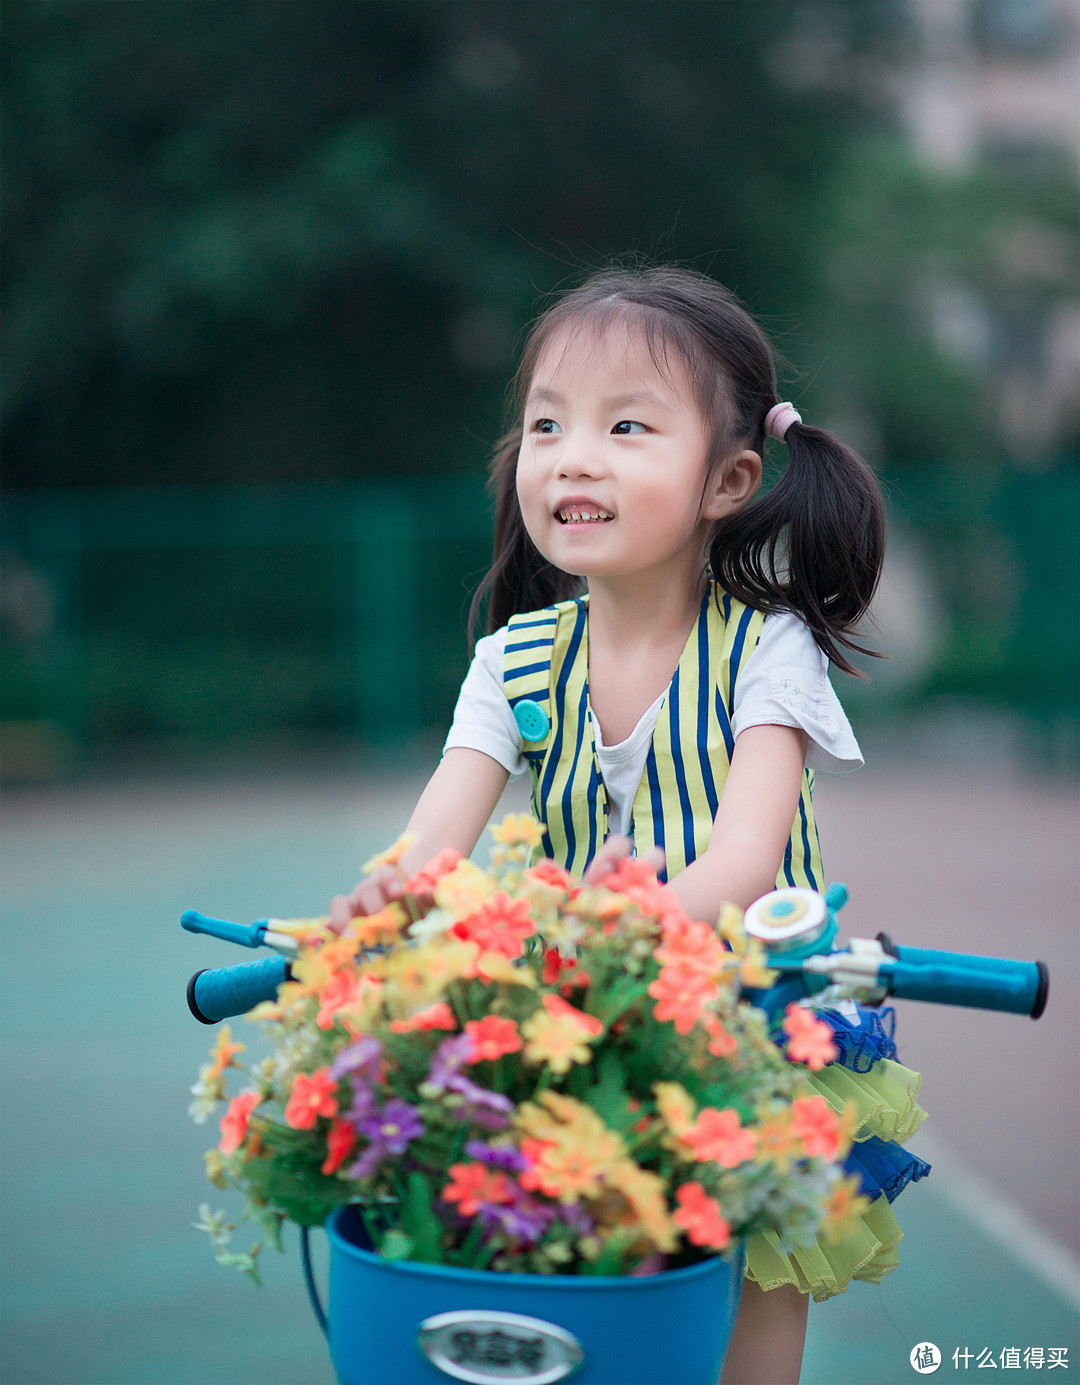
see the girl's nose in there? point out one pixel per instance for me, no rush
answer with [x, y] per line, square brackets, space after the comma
[580, 457]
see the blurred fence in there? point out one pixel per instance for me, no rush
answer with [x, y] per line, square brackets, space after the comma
[196, 617]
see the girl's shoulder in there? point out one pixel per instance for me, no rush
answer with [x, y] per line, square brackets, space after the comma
[786, 638]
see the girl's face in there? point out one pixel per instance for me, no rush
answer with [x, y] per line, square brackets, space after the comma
[612, 471]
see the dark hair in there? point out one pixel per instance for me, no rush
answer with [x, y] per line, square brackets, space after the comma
[814, 544]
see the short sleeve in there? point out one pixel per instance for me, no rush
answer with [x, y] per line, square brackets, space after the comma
[482, 718]
[785, 682]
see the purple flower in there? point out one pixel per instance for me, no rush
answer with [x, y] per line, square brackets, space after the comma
[363, 1104]
[449, 1058]
[497, 1156]
[394, 1126]
[490, 1110]
[361, 1058]
[523, 1220]
[388, 1132]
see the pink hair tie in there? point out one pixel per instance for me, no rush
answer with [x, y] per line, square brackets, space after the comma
[779, 419]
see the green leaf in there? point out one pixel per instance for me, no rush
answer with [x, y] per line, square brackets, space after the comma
[608, 1096]
[418, 1219]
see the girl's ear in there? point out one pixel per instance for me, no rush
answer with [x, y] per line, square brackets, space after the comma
[732, 485]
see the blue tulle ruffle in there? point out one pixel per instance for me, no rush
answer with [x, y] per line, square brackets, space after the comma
[861, 1045]
[883, 1167]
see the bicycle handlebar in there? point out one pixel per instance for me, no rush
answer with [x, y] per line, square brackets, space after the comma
[872, 969]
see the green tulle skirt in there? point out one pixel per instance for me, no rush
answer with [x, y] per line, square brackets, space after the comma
[885, 1103]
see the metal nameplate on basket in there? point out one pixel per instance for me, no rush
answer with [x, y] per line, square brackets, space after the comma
[484, 1347]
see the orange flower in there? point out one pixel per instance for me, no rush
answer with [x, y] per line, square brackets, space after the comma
[311, 1097]
[699, 1216]
[429, 875]
[339, 1145]
[472, 1185]
[682, 996]
[437, 1016]
[372, 929]
[343, 989]
[492, 1037]
[821, 1130]
[501, 924]
[720, 1136]
[693, 946]
[811, 1039]
[644, 1191]
[843, 1208]
[234, 1123]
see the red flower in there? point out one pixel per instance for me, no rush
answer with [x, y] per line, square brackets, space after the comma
[699, 1216]
[719, 1136]
[472, 1185]
[437, 1016]
[548, 873]
[501, 924]
[234, 1123]
[721, 1043]
[341, 990]
[429, 875]
[339, 1144]
[811, 1039]
[492, 1037]
[311, 1097]
[815, 1122]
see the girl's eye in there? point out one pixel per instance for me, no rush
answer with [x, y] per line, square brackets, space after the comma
[546, 425]
[622, 429]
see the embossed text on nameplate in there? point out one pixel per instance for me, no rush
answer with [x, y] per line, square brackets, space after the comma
[485, 1347]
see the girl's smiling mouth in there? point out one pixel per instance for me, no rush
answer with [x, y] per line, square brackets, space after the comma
[577, 510]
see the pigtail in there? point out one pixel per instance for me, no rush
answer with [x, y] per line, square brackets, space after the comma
[519, 578]
[814, 544]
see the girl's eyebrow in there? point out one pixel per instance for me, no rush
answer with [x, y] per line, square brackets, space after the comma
[616, 401]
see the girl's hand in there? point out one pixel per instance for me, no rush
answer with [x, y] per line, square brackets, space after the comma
[372, 894]
[614, 850]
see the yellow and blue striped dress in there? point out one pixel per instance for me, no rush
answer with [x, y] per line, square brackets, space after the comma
[546, 662]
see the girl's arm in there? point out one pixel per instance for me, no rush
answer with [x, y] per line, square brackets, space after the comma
[452, 811]
[752, 824]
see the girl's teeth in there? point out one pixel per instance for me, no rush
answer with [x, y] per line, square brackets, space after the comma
[576, 517]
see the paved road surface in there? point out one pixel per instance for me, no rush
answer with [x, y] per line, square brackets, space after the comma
[106, 1284]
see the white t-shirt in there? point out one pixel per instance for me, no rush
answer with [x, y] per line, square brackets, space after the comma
[783, 682]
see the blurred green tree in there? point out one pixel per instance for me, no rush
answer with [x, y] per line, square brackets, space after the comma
[265, 241]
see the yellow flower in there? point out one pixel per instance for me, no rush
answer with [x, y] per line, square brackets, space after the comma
[558, 1034]
[730, 927]
[676, 1106]
[392, 855]
[569, 1147]
[518, 829]
[224, 1050]
[464, 889]
[644, 1191]
[215, 1167]
[843, 1209]
[775, 1139]
[752, 970]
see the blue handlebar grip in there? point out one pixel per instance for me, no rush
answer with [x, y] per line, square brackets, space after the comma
[246, 934]
[954, 979]
[220, 993]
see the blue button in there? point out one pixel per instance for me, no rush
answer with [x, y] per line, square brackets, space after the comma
[533, 722]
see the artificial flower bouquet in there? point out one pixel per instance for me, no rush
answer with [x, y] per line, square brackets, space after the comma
[514, 1070]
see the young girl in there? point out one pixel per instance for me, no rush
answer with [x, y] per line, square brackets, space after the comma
[658, 658]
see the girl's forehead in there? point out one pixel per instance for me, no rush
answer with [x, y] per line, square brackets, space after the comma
[612, 358]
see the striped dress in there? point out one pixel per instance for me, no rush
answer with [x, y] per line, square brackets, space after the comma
[546, 662]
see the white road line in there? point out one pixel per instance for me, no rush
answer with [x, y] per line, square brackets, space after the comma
[1000, 1219]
